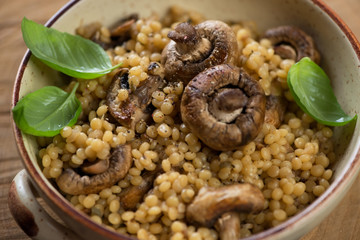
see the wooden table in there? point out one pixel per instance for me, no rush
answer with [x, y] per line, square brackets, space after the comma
[343, 223]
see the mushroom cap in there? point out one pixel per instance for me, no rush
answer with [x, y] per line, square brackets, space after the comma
[292, 42]
[221, 130]
[211, 203]
[120, 161]
[214, 43]
[137, 106]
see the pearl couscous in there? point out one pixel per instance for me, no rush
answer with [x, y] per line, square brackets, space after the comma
[289, 164]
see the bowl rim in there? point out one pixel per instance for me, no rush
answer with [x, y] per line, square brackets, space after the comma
[347, 175]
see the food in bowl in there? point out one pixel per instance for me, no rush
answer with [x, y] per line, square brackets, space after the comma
[146, 129]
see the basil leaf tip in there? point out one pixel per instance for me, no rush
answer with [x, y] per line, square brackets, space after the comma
[46, 111]
[312, 91]
[70, 54]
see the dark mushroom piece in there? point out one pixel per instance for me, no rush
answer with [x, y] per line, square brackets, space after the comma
[292, 43]
[224, 107]
[275, 110]
[120, 33]
[120, 161]
[137, 105]
[133, 195]
[211, 203]
[96, 167]
[228, 226]
[196, 48]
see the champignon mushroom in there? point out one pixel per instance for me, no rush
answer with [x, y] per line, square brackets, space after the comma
[275, 110]
[292, 43]
[228, 226]
[210, 203]
[133, 195]
[194, 49]
[137, 105]
[224, 107]
[119, 34]
[120, 161]
[96, 167]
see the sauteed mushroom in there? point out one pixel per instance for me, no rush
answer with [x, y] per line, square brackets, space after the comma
[120, 161]
[293, 43]
[131, 196]
[211, 203]
[119, 34]
[224, 107]
[137, 105]
[275, 110]
[194, 49]
[228, 226]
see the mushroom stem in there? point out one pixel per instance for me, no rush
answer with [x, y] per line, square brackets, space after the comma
[228, 226]
[211, 203]
[120, 161]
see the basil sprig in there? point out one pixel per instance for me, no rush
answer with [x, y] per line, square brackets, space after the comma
[312, 91]
[70, 54]
[46, 111]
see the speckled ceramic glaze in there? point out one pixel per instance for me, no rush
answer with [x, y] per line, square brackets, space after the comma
[340, 58]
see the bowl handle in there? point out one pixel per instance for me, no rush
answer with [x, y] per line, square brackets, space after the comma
[30, 215]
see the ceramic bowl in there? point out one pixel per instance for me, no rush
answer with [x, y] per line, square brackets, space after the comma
[340, 58]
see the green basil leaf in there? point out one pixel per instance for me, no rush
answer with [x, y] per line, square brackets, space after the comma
[312, 91]
[46, 111]
[73, 55]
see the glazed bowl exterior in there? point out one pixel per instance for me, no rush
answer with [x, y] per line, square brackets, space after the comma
[340, 59]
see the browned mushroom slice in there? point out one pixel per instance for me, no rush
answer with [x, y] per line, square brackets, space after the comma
[292, 42]
[120, 161]
[275, 110]
[211, 203]
[137, 105]
[133, 195]
[123, 27]
[194, 49]
[228, 226]
[224, 107]
[97, 167]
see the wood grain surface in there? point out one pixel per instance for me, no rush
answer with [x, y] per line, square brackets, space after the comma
[343, 223]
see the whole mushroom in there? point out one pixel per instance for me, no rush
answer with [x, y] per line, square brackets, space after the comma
[137, 106]
[224, 107]
[196, 48]
[275, 110]
[292, 43]
[221, 206]
[73, 183]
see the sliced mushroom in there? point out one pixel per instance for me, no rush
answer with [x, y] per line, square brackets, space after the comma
[97, 167]
[224, 107]
[194, 49]
[137, 105]
[292, 42]
[133, 195]
[275, 110]
[211, 203]
[120, 161]
[228, 226]
[119, 34]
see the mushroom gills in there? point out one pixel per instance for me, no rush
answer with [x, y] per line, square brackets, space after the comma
[73, 183]
[138, 104]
